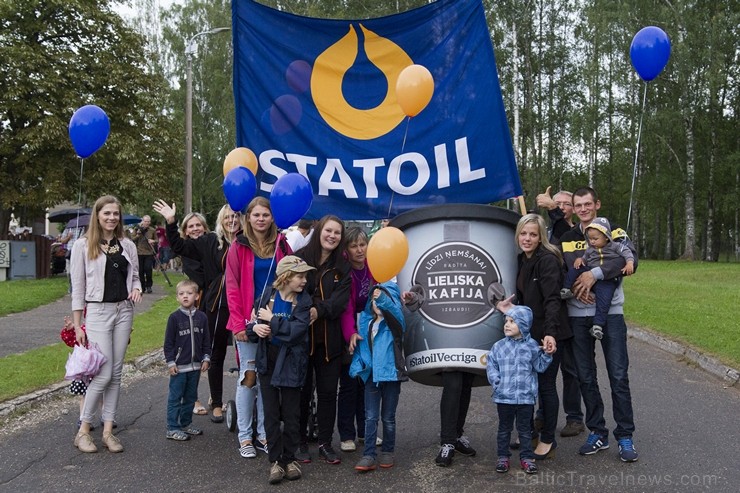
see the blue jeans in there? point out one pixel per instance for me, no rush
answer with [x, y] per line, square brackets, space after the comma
[523, 414]
[181, 399]
[603, 291]
[245, 397]
[381, 400]
[614, 346]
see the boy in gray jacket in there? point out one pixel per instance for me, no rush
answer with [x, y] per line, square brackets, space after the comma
[187, 350]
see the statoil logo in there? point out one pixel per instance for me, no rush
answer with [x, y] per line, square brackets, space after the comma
[455, 277]
[327, 76]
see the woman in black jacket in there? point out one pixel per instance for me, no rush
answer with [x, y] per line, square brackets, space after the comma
[329, 287]
[538, 284]
[210, 250]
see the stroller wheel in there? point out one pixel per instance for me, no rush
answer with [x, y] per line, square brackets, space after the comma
[231, 415]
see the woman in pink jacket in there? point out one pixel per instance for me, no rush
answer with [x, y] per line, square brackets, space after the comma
[250, 270]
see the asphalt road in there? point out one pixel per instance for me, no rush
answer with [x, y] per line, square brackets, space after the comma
[687, 431]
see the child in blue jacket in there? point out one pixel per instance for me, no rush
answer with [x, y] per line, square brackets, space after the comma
[378, 360]
[512, 367]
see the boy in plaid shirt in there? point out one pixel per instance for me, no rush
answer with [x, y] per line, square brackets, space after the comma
[512, 367]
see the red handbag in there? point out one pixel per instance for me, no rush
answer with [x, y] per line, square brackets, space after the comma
[68, 335]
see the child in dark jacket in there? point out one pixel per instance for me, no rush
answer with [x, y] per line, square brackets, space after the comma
[512, 367]
[280, 328]
[378, 360]
[187, 350]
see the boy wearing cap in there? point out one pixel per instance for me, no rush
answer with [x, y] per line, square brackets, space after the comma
[601, 250]
[280, 329]
[512, 365]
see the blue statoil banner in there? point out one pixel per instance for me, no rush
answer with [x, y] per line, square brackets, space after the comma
[318, 97]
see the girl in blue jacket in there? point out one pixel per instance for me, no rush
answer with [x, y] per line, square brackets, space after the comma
[378, 360]
[512, 366]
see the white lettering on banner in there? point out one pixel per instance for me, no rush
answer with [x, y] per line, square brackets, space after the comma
[443, 167]
[301, 162]
[334, 176]
[446, 356]
[368, 174]
[422, 171]
[345, 182]
[463, 163]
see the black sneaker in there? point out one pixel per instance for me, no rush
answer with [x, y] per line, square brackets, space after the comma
[327, 453]
[302, 456]
[445, 455]
[594, 443]
[261, 446]
[462, 446]
[502, 464]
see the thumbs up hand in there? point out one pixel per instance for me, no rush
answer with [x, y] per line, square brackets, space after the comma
[545, 200]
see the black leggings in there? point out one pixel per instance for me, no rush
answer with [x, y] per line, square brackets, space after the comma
[220, 337]
[453, 407]
[327, 381]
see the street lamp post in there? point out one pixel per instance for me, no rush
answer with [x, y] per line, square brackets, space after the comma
[189, 52]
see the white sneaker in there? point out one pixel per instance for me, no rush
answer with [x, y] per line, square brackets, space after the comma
[378, 441]
[348, 446]
[248, 451]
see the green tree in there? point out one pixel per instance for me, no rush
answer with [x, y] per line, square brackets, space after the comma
[56, 56]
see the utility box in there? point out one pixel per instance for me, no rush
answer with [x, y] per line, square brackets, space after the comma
[22, 260]
[4, 259]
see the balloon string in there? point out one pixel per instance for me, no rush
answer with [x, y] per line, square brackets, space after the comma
[403, 146]
[272, 262]
[637, 153]
[79, 194]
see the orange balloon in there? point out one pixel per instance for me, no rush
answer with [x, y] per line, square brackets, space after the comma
[387, 253]
[414, 89]
[241, 156]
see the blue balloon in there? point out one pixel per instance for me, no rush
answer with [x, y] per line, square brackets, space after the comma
[290, 199]
[88, 130]
[650, 52]
[239, 188]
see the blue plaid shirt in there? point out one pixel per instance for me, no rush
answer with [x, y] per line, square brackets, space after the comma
[512, 368]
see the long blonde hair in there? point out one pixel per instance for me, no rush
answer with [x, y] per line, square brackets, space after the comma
[95, 232]
[265, 248]
[542, 230]
[220, 232]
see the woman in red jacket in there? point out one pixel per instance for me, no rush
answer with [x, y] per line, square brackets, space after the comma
[250, 271]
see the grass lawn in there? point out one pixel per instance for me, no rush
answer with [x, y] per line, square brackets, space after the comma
[690, 302]
[22, 295]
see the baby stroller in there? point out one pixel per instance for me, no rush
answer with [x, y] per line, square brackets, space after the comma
[231, 413]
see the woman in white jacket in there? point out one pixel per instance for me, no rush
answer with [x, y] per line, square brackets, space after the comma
[105, 279]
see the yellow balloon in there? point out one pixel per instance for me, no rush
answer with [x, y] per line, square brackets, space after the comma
[241, 156]
[387, 253]
[414, 89]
